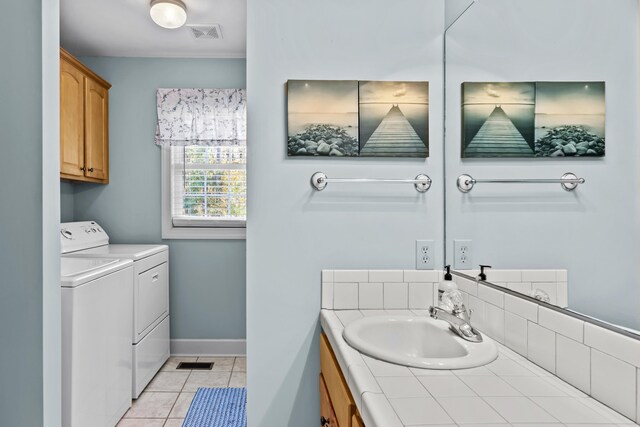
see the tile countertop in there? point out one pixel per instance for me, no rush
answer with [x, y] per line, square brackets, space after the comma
[510, 391]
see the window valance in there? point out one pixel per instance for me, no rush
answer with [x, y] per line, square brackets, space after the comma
[201, 117]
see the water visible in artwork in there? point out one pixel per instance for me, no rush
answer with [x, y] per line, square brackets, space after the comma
[299, 122]
[594, 123]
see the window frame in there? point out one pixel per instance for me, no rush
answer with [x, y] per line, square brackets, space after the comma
[169, 230]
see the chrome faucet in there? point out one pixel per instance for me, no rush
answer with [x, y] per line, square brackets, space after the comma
[459, 321]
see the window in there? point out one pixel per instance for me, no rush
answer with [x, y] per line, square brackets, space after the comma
[204, 192]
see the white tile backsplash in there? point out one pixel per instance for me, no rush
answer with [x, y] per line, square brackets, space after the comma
[494, 322]
[327, 295]
[370, 295]
[345, 296]
[327, 275]
[491, 295]
[396, 296]
[613, 382]
[620, 346]
[561, 323]
[515, 333]
[350, 275]
[421, 296]
[573, 362]
[386, 275]
[541, 347]
[417, 276]
[521, 307]
[538, 275]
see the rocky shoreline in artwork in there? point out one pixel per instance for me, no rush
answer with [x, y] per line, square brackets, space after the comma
[565, 141]
[322, 140]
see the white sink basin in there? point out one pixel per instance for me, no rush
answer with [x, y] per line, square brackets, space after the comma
[420, 342]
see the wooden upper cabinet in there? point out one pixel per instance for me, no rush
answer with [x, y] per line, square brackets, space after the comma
[84, 122]
[71, 129]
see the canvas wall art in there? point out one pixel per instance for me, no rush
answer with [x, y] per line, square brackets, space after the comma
[394, 119]
[350, 118]
[527, 119]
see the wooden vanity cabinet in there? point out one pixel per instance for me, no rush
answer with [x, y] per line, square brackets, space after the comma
[84, 122]
[337, 407]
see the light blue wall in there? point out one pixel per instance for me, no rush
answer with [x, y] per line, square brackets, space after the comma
[294, 232]
[593, 232]
[28, 258]
[66, 201]
[207, 288]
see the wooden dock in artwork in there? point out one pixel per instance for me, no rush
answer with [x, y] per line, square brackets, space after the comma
[394, 137]
[498, 137]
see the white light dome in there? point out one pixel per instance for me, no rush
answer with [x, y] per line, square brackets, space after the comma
[168, 13]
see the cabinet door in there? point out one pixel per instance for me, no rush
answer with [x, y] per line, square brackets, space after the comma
[327, 416]
[71, 120]
[96, 130]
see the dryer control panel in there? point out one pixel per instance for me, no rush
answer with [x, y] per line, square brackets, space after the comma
[77, 236]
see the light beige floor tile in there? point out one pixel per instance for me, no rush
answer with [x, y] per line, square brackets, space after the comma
[240, 365]
[238, 379]
[149, 422]
[172, 363]
[182, 405]
[168, 381]
[219, 363]
[206, 379]
[152, 405]
[174, 422]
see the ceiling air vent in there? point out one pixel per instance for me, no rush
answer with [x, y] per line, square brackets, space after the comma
[206, 31]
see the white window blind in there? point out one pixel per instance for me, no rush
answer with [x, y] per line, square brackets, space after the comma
[208, 186]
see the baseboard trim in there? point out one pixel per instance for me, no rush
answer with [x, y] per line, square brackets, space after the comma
[208, 347]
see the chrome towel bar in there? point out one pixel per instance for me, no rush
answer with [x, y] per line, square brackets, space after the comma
[568, 181]
[422, 182]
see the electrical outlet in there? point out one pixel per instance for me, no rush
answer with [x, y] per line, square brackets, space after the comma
[462, 258]
[424, 255]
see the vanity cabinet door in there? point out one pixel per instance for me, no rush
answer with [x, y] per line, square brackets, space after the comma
[356, 421]
[339, 397]
[327, 416]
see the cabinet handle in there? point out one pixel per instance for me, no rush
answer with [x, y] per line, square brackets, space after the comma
[90, 169]
[154, 278]
[325, 421]
[83, 169]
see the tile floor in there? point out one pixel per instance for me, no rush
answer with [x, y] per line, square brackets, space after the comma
[165, 401]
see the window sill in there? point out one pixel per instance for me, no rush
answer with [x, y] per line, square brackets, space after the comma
[204, 233]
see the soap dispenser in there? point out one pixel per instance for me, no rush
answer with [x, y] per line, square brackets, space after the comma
[447, 285]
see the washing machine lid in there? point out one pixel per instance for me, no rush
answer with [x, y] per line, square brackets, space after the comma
[134, 252]
[78, 271]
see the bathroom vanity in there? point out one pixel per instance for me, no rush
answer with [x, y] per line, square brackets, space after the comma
[360, 390]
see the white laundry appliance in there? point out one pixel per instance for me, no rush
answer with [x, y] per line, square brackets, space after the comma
[97, 309]
[150, 326]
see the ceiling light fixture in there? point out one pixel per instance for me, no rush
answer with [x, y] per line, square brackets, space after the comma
[168, 13]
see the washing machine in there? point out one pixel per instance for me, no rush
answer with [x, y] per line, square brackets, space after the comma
[149, 329]
[97, 309]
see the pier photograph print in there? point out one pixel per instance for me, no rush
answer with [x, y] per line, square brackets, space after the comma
[394, 119]
[322, 118]
[498, 119]
[526, 119]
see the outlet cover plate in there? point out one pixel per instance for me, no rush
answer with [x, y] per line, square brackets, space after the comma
[462, 255]
[425, 255]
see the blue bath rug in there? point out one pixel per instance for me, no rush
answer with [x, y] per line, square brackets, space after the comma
[218, 407]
